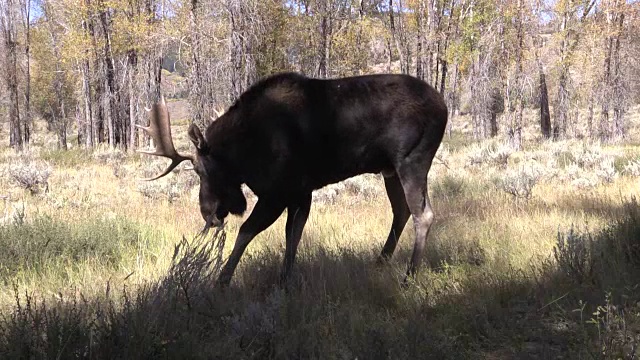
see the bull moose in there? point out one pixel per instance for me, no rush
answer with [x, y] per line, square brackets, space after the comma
[289, 135]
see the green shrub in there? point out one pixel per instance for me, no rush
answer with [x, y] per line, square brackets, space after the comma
[632, 168]
[67, 158]
[449, 187]
[606, 257]
[565, 158]
[48, 243]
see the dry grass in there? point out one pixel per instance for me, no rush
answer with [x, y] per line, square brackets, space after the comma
[88, 270]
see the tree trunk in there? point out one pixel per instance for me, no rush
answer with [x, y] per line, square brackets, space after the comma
[86, 100]
[9, 32]
[398, 34]
[15, 127]
[236, 49]
[62, 125]
[590, 129]
[517, 125]
[496, 106]
[389, 54]
[108, 113]
[26, 15]
[420, 43]
[443, 80]
[132, 102]
[452, 98]
[545, 116]
[431, 35]
[619, 94]
[392, 28]
[101, 122]
[605, 97]
[60, 121]
[562, 99]
[59, 112]
[493, 123]
[323, 49]
[96, 98]
[111, 92]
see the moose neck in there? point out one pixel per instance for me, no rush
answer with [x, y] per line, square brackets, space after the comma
[226, 137]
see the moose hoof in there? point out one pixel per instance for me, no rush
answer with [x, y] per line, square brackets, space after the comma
[405, 283]
[223, 282]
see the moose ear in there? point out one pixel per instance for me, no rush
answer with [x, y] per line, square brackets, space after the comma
[197, 139]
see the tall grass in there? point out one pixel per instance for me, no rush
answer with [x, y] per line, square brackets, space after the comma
[340, 305]
[46, 243]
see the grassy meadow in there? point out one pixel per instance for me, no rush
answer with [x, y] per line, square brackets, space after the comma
[535, 254]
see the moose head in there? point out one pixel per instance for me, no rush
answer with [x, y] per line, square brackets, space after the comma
[218, 196]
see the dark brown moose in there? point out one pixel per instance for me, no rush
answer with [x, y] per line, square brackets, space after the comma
[288, 135]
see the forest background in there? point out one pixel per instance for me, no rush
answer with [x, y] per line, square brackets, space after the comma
[535, 249]
[93, 65]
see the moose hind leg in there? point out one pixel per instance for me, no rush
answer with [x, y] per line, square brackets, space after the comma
[297, 215]
[400, 216]
[422, 221]
[414, 183]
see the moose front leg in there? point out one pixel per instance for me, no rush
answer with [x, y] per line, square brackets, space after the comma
[265, 213]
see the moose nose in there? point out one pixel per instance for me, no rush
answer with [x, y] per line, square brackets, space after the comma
[207, 212]
[212, 220]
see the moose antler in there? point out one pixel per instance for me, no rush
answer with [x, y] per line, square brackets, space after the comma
[160, 131]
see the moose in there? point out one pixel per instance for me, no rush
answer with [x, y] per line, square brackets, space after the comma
[288, 135]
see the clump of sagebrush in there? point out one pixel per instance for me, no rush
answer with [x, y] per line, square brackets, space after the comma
[519, 183]
[170, 187]
[489, 153]
[579, 177]
[119, 170]
[588, 155]
[39, 329]
[32, 175]
[606, 170]
[608, 256]
[328, 194]
[632, 168]
[574, 255]
[12, 213]
[108, 156]
[195, 263]
[364, 186]
[361, 187]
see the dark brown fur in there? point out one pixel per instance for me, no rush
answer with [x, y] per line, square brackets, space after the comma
[289, 135]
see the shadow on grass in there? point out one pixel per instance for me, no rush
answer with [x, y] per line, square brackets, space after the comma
[339, 305]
